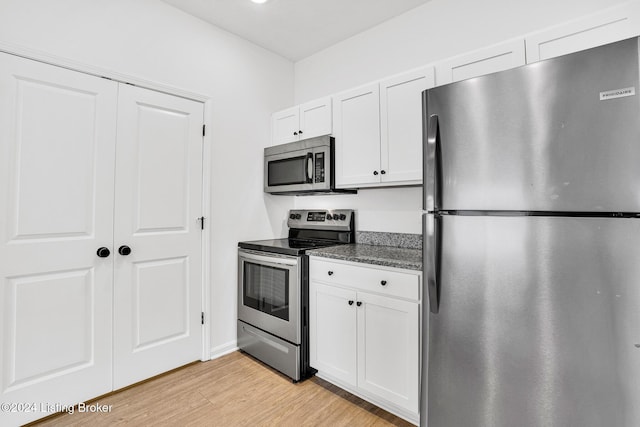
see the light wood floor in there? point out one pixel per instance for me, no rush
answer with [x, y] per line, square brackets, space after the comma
[233, 390]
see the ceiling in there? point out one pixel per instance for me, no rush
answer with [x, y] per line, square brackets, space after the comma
[295, 29]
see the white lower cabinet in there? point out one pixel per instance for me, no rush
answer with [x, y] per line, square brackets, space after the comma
[333, 324]
[365, 332]
[388, 349]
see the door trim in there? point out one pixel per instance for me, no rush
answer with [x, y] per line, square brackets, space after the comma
[207, 141]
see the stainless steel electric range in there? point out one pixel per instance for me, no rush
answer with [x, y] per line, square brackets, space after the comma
[273, 288]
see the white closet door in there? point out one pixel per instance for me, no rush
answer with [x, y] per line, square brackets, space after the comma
[57, 148]
[158, 293]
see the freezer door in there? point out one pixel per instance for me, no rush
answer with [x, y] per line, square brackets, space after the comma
[539, 323]
[558, 135]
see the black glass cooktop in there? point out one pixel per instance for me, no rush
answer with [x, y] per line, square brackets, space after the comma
[286, 246]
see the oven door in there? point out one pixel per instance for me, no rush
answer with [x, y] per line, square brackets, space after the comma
[269, 293]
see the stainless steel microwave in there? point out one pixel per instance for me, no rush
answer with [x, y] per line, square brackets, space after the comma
[301, 167]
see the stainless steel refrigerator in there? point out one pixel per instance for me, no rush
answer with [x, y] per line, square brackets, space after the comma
[532, 245]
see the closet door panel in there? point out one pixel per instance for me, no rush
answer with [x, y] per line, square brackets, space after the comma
[57, 153]
[158, 286]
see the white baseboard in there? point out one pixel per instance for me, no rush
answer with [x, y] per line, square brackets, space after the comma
[224, 349]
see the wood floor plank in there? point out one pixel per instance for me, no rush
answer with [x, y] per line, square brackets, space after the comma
[234, 390]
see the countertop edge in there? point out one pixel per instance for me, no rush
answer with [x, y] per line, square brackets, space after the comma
[349, 253]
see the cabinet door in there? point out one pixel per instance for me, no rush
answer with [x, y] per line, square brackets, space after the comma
[401, 126]
[285, 125]
[389, 349]
[157, 291]
[57, 149]
[315, 118]
[332, 331]
[492, 59]
[609, 26]
[356, 120]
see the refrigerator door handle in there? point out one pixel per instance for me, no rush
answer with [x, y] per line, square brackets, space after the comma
[432, 165]
[432, 250]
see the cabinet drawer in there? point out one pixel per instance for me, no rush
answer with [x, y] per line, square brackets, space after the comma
[370, 279]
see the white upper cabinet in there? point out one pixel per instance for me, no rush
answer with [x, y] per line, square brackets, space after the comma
[483, 61]
[594, 30]
[302, 121]
[401, 126]
[285, 125]
[378, 131]
[356, 119]
[315, 118]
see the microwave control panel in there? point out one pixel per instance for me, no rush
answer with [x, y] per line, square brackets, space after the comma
[319, 168]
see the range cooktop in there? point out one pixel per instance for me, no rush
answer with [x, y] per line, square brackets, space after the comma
[309, 229]
[286, 246]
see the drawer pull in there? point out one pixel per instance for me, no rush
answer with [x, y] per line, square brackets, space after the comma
[330, 273]
[383, 283]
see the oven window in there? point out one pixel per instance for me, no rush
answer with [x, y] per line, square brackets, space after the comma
[287, 171]
[267, 289]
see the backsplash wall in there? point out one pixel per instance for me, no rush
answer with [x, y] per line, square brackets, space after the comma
[396, 209]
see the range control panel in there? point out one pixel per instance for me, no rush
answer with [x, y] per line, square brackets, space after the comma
[336, 219]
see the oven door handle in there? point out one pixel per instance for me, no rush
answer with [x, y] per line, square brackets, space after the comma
[275, 259]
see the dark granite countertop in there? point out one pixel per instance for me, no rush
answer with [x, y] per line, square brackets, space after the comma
[387, 256]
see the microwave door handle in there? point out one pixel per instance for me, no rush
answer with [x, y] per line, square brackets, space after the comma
[309, 168]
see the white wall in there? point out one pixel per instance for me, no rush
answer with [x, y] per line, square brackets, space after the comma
[434, 31]
[153, 41]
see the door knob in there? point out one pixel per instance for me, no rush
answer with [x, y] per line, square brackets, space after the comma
[103, 252]
[124, 250]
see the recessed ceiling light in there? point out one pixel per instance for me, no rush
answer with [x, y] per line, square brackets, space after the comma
[259, 1]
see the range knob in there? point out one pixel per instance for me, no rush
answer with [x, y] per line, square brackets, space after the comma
[343, 217]
[292, 216]
[329, 217]
[298, 216]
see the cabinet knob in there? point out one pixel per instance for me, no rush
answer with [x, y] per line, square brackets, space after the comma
[383, 172]
[300, 132]
[295, 133]
[330, 273]
[375, 172]
[350, 302]
[359, 303]
[103, 252]
[383, 282]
